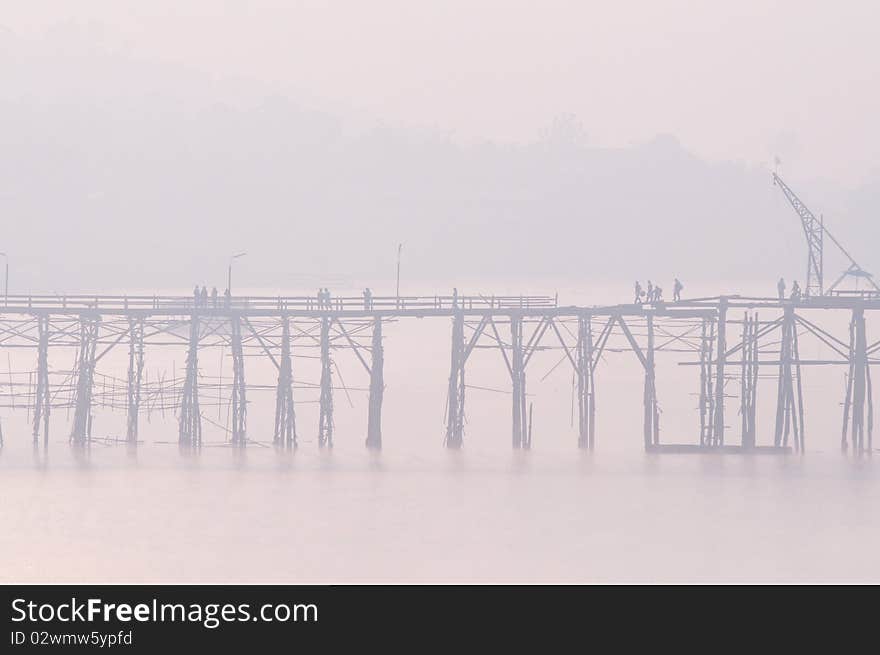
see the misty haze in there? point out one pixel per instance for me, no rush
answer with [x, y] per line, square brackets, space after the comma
[445, 292]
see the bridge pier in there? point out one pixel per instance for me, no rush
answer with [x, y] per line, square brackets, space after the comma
[377, 388]
[239, 399]
[789, 399]
[521, 436]
[858, 391]
[190, 425]
[720, 361]
[42, 404]
[749, 380]
[652, 414]
[285, 418]
[707, 397]
[325, 419]
[586, 383]
[81, 433]
[135, 375]
[455, 395]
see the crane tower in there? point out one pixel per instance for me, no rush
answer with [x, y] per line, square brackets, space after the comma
[815, 233]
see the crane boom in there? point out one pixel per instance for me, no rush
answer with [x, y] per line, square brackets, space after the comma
[815, 231]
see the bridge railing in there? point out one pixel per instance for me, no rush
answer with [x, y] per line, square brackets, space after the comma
[868, 294]
[81, 302]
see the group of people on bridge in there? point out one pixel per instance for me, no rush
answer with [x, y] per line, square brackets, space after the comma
[200, 297]
[324, 301]
[323, 298]
[654, 294]
[795, 290]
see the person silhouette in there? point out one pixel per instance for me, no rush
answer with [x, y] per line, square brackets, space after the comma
[214, 297]
[780, 289]
[638, 292]
[677, 286]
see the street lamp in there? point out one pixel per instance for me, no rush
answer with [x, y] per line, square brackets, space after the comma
[399, 248]
[6, 280]
[229, 278]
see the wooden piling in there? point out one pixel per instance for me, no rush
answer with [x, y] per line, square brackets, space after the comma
[518, 385]
[325, 418]
[858, 388]
[377, 388]
[706, 397]
[285, 417]
[190, 422]
[789, 394]
[239, 385]
[135, 375]
[748, 380]
[720, 361]
[652, 414]
[456, 389]
[85, 375]
[42, 404]
[586, 391]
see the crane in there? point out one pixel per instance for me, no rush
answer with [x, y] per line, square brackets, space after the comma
[815, 232]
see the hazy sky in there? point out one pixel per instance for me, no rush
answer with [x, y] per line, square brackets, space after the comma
[732, 80]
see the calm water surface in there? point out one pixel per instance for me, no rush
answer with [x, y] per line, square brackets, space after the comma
[436, 517]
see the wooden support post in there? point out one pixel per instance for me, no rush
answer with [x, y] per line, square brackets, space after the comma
[652, 413]
[749, 380]
[518, 381]
[239, 386]
[720, 361]
[190, 423]
[135, 374]
[756, 351]
[377, 388]
[325, 419]
[455, 394]
[858, 385]
[847, 401]
[798, 399]
[860, 381]
[789, 395]
[586, 383]
[42, 404]
[285, 418]
[85, 377]
[780, 436]
[707, 399]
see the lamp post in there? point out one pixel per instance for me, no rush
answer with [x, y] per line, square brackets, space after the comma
[229, 278]
[399, 248]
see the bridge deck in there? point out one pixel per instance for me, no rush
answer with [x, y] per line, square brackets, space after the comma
[383, 306]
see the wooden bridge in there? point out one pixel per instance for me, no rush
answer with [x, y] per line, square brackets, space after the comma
[727, 338]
